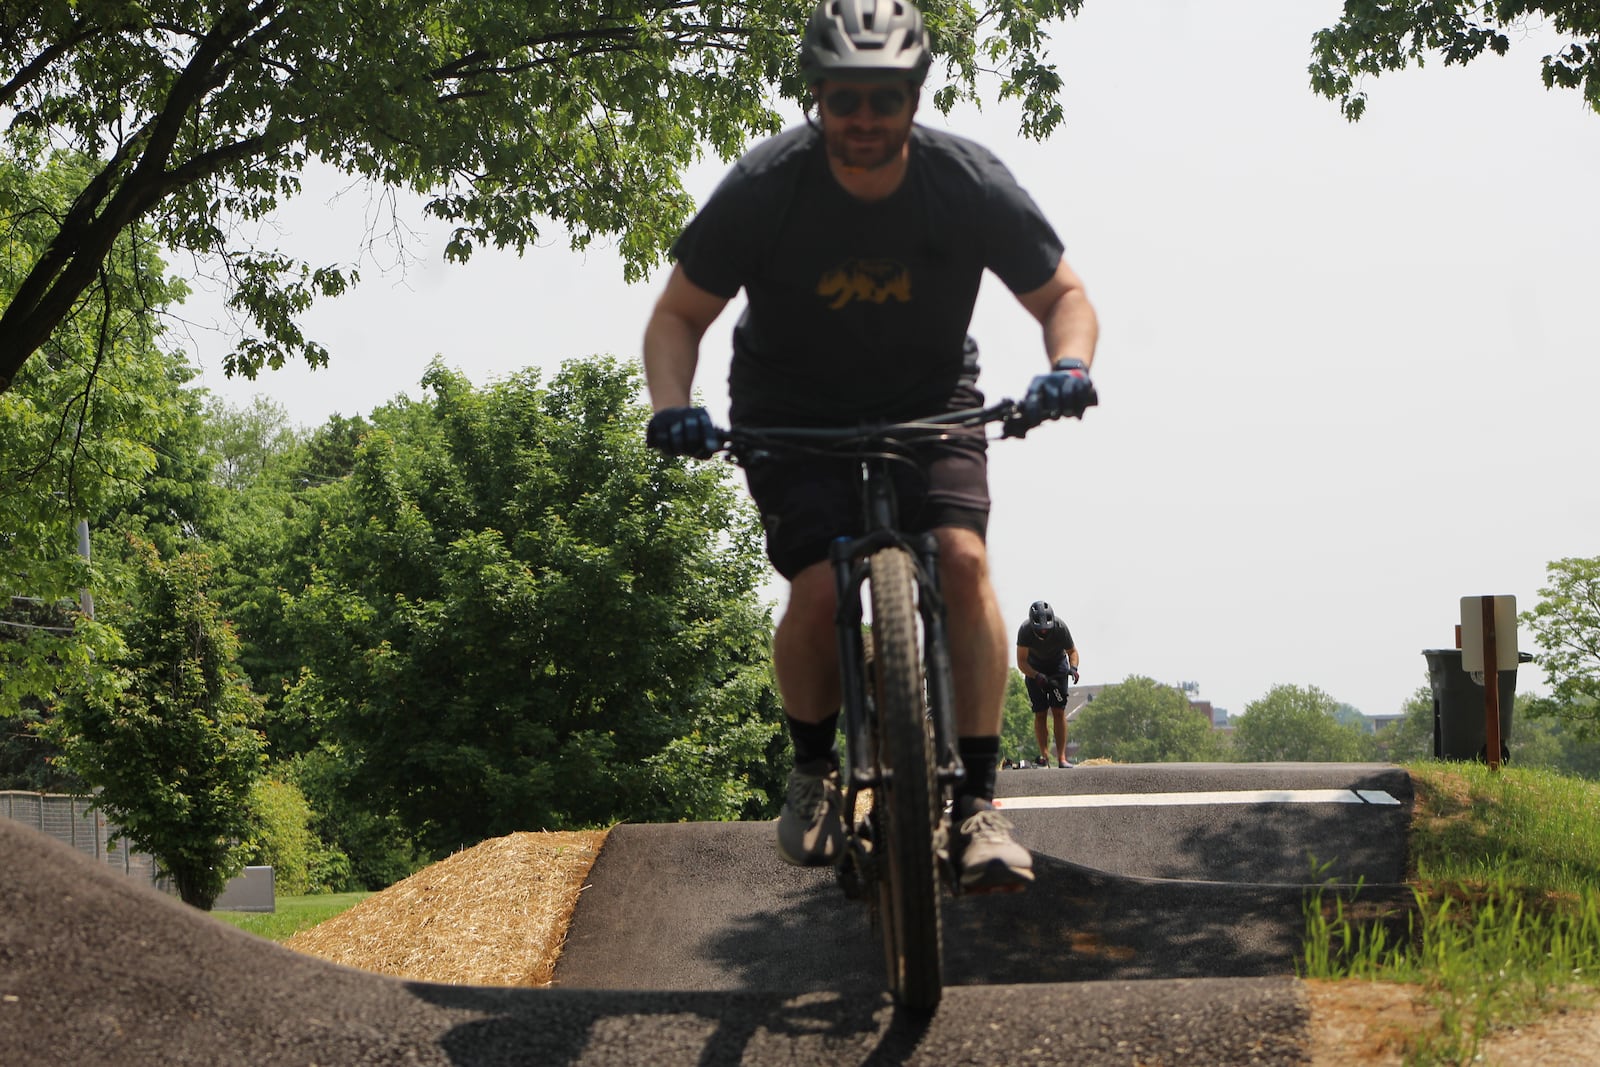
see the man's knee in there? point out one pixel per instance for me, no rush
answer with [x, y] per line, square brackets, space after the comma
[811, 598]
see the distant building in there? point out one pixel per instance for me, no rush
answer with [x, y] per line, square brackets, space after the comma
[1078, 699]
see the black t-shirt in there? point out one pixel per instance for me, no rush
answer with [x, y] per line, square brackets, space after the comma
[1047, 654]
[859, 310]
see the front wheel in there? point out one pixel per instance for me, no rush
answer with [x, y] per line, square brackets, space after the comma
[906, 807]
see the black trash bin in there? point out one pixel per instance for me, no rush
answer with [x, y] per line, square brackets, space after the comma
[1458, 712]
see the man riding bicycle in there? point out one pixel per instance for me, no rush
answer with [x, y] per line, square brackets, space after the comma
[860, 239]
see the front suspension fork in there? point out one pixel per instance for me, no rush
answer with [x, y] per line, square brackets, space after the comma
[850, 570]
[936, 659]
[848, 574]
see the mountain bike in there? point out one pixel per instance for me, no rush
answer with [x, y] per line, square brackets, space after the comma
[895, 677]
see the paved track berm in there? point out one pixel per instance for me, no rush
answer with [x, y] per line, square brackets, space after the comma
[719, 954]
[1143, 872]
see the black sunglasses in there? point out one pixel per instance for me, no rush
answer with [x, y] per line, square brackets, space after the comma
[884, 102]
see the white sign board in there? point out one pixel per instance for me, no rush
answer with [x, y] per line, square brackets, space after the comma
[1505, 633]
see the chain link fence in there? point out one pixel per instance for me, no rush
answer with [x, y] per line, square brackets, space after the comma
[70, 820]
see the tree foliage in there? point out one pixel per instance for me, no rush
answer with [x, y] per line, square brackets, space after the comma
[172, 754]
[182, 501]
[71, 452]
[203, 113]
[512, 615]
[1017, 741]
[1140, 720]
[1412, 737]
[1566, 624]
[365, 849]
[1297, 723]
[242, 443]
[1540, 737]
[285, 840]
[1374, 36]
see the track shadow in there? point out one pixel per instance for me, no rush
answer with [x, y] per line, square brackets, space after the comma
[1254, 1022]
[563, 1027]
[817, 940]
[662, 916]
[1080, 925]
[701, 906]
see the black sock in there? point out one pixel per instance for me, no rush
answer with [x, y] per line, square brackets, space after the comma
[814, 741]
[981, 757]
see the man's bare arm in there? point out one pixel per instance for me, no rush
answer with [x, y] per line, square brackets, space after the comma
[1062, 307]
[682, 314]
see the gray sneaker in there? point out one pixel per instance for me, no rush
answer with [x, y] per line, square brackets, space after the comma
[988, 859]
[811, 828]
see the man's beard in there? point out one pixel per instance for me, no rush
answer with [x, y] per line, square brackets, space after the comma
[883, 148]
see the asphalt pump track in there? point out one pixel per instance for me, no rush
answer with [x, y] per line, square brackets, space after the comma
[693, 944]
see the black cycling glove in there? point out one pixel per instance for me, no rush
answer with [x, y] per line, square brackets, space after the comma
[683, 432]
[1065, 391]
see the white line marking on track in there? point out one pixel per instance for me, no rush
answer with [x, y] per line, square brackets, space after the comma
[1236, 796]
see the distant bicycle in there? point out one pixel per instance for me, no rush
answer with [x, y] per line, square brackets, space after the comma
[897, 690]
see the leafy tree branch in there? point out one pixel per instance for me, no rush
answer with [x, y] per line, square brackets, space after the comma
[506, 118]
[1374, 36]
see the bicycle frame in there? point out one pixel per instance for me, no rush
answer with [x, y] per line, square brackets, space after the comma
[849, 557]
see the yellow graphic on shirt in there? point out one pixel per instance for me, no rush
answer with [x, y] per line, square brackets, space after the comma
[877, 280]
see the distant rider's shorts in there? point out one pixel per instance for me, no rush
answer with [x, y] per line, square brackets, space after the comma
[806, 503]
[1050, 694]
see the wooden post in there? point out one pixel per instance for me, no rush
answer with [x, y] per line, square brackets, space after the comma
[1491, 687]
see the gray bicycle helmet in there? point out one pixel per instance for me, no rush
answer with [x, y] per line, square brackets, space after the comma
[865, 41]
[1041, 616]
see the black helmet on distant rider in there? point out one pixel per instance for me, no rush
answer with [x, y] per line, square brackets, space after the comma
[1041, 617]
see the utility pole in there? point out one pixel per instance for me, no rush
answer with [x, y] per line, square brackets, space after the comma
[85, 598]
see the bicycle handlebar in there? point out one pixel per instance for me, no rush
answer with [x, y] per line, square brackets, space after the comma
[1015, 422]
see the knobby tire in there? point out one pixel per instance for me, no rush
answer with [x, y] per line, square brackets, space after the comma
[907, 802]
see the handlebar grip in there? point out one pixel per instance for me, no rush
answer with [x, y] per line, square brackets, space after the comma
[1016, 422]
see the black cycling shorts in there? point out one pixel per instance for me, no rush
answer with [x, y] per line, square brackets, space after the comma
[806, 503]
[1045, 697]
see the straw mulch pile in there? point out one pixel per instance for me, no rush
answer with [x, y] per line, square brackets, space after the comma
[495, 914]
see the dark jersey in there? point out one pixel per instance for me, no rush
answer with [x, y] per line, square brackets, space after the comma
[1046, 654]
[859, 310]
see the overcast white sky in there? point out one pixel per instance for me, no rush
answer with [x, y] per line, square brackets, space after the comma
[1348, 372]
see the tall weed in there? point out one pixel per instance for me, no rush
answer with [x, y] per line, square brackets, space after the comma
[1504, 921]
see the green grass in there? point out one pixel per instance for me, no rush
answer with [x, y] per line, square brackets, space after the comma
[1504, 923]
[293, 915]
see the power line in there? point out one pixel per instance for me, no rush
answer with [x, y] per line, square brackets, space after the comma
[30, 626]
